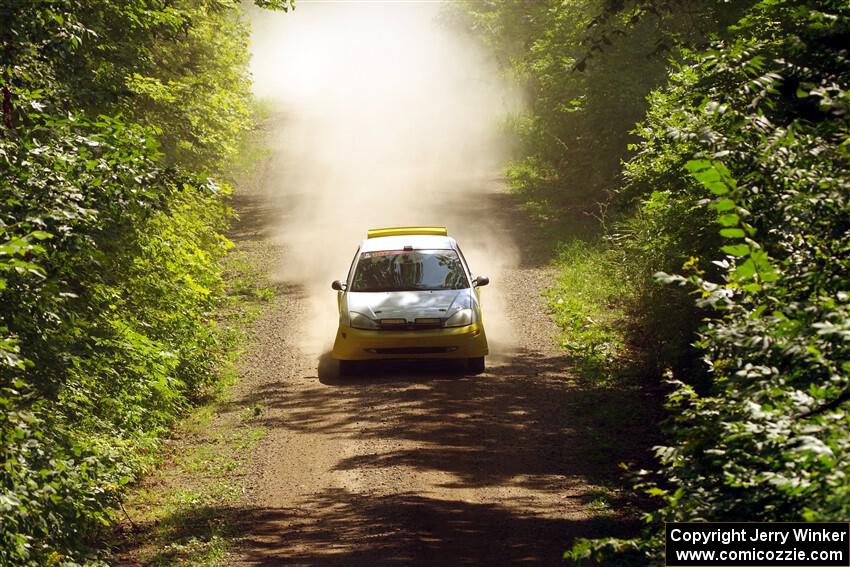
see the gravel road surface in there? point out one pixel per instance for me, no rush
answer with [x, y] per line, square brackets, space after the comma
[416, 463]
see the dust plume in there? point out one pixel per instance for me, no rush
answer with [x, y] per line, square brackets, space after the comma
[387, 118]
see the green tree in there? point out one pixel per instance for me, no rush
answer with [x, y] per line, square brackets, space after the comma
[117, 117]
[752, 133]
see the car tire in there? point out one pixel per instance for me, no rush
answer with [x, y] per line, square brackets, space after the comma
[476, 365]
[348, 367]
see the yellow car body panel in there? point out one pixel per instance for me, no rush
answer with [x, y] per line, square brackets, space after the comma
[447, 342]
[407, 231]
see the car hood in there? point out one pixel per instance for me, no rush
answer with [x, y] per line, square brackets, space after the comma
[409, 304]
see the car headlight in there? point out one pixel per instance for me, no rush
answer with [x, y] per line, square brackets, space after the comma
[461, 318]
[360, 321]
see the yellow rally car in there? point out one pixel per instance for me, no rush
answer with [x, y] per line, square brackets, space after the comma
[409, 294]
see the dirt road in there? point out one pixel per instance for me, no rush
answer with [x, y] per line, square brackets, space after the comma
[416, 463]
[387, 117]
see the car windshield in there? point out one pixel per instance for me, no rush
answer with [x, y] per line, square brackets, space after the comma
[409, 270]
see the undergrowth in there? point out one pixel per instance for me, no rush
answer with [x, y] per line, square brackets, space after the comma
[587, 303]
[180, 512]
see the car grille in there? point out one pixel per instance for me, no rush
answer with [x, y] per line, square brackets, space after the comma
[418, 324]
[412, 350]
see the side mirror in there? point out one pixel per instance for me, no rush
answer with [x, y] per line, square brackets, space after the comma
[480, 281]
[338, 285]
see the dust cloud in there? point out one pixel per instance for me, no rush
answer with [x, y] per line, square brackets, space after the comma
[385, 117]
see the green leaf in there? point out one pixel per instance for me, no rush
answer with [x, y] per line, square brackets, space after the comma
[713, 175]
[732, 233]
[737, 250]
[746, 270]
[730, 219]
[723, 205]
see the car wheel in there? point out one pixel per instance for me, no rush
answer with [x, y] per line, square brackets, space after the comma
[476, 365]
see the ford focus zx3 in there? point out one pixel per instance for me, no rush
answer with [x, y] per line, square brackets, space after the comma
[409, 294]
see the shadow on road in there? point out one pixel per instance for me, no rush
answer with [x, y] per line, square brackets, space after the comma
[406, 529]
[523, 425]
[522, 422]
[354, 530]
[389, 371]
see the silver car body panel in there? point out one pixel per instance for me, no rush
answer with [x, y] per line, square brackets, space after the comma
[409, 305]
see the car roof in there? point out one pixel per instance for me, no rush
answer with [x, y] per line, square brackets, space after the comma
[416, 241]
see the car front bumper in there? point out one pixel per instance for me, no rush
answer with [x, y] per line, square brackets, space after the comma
[452, 342]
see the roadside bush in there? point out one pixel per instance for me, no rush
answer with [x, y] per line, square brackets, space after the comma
[115, 117]
[663, 234]
[587, 301]
[753, 132]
